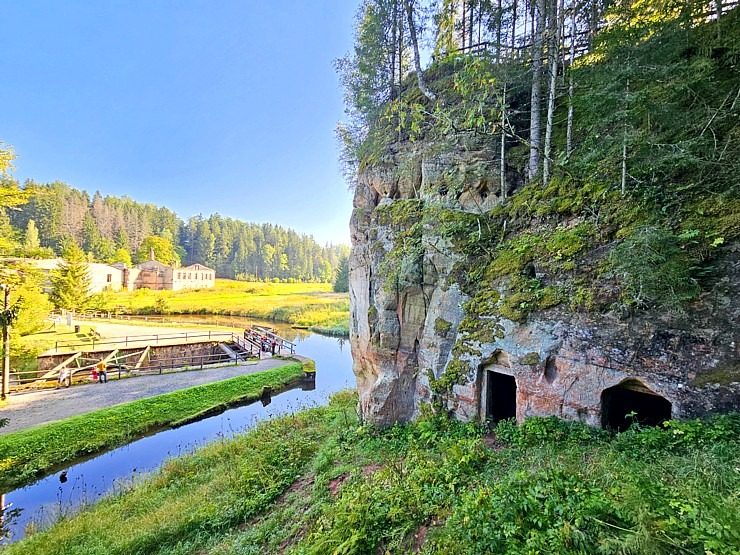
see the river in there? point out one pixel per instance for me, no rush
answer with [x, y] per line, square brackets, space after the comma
[39, 505]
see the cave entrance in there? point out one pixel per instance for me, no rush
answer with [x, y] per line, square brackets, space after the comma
[632, 396]
[500, 397]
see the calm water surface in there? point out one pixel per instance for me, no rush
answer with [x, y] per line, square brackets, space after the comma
[42, 503]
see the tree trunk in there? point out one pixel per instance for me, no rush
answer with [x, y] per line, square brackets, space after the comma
[535, 121]
[464, 26]
[417, 60]
[394, 31]
[499, 26]
[480, 24]
[400, 63]
[592, 24]
[555, 19]
[524, 27]
[503, 144]
[470, 26]
[571, 85]
[513, 29]
[624, 141]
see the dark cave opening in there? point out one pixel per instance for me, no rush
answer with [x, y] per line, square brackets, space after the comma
[500, 397]
[632, 397]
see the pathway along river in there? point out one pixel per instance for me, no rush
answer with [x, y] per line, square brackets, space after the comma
[40, 504]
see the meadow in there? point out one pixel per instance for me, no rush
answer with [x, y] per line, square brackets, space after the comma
[306, 305]
[319, 482]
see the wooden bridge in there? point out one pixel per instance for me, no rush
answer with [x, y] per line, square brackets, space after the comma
[154, 353]
[263, 338]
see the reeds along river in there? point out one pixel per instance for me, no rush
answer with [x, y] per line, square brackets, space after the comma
[40, 504]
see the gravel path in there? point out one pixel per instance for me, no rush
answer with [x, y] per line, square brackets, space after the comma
[31, 409]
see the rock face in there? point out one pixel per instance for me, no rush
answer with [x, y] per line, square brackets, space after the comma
[405, 320]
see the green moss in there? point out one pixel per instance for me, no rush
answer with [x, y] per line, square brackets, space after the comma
[442, 327]
[715, 217]
[404, 260]
[582, 297]
[462, 347]
[722, 374]
[530, 359]
[566, 242]
[483, 303]
[308, 366]
[399, 214]
[515, 307]
[455, 373]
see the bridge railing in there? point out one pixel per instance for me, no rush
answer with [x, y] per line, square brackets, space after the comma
[122, 369]
[156, 338]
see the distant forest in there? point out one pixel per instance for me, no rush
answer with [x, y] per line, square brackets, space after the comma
[113, 229]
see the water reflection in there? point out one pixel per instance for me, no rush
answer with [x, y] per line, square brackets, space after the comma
[39, 505]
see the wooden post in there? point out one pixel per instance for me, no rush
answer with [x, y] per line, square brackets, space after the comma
[6, 344]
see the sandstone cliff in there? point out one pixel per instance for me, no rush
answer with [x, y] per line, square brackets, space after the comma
[419, 312]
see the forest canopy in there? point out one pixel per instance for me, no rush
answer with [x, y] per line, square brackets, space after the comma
[119, 229]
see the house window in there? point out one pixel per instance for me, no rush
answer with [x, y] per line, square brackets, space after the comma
[178, 275]
[109, 278]
[189, 275]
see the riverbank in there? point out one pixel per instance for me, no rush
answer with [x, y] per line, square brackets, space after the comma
[27, 454]
[317, 482]
[311, 306]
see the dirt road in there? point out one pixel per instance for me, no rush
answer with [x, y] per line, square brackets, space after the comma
[31, 409]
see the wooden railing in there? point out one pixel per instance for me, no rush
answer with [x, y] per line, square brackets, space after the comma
[156, 338]
[254, 335]
[152, 366]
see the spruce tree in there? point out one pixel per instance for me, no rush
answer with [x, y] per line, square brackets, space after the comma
[341, 284]
[71, 280]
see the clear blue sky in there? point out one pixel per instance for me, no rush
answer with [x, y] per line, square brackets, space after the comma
[202, 106]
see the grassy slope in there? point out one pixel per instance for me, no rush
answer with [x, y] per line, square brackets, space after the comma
[311, 305]
[27, 453]
[316, 483]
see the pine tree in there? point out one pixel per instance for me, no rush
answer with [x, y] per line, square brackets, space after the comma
[71, 281]
[341, 283]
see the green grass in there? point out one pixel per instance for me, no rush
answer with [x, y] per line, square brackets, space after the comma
[308, 305]
[318, 483]
[26, 454]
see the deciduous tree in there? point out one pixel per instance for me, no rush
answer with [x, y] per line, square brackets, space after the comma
[164, 251]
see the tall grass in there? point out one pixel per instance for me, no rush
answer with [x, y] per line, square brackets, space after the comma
[198, 497]
[317, 483]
